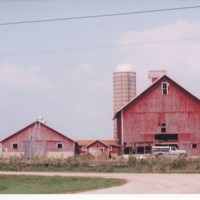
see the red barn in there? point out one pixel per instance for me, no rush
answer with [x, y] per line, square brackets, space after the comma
[37, 139]
[98, 147]
[164, 114]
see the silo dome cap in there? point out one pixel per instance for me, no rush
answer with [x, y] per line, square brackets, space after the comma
[124, 68]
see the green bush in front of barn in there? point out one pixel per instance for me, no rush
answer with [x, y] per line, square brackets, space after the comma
[102, 164]
[163, 165]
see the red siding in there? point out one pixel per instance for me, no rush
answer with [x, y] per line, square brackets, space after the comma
[42, 139]
[179, 110]
[98, 145]
[111, 148]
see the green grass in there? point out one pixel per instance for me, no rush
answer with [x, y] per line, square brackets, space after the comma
[10, 184]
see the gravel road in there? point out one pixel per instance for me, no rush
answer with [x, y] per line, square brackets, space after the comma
[137, 183]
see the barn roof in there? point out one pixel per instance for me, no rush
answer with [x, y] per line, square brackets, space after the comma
[18, 132]
[89, 142]
[150, 87]
[95, 142]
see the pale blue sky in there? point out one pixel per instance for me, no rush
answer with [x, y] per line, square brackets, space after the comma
[71, 87]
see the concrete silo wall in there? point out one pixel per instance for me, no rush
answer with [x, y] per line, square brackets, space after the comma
[124, 89]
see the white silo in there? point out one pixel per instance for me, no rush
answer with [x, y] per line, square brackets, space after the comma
[124, 88]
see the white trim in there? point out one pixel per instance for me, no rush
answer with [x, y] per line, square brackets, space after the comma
[58, 144]
[166, 89]
[17, 145]
[122, 128]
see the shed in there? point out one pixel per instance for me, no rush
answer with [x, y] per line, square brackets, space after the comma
[98, 147]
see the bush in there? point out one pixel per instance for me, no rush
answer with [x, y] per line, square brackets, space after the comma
[178, 163]
[132, 161]
[161, 165]
[91, 164]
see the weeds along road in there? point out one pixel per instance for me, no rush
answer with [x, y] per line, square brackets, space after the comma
[137, 183]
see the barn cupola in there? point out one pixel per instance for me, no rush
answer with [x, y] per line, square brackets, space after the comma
[156, 74]
[41, 120]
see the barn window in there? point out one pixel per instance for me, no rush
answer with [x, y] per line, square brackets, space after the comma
[15, 146]
[165, 88]
[101, 149]
[163, 128]
[59, 146]
[194, 146]
[37, 124]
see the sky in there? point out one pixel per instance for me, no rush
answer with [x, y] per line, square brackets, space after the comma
[62, 70]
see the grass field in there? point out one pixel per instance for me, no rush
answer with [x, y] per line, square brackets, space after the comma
[52, 185]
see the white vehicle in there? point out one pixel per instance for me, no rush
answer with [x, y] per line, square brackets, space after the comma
[168, 151]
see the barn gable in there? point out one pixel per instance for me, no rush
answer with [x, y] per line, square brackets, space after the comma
[97, 142]
[98, 147]
[164, 114]
[151, 89]
[36, 124]
[37, 139]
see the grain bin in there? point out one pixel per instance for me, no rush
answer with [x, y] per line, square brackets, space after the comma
[156, 74]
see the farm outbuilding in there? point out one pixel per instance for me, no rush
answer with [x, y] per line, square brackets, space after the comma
[98, 147]
[164, 114]
[37, 140]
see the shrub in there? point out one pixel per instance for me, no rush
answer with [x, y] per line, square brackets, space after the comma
[195, 164]
[132, 161]
[161, 165]
[91, 164]
[178, 163]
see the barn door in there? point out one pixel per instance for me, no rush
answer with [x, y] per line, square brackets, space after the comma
[28, 149]
[33, 149]
[39, 149]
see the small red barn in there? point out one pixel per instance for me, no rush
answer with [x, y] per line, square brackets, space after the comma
[164, 114]
[98, 147]
[37, 140]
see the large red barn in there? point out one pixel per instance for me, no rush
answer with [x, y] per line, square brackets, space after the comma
[164, 114]
[37, 140]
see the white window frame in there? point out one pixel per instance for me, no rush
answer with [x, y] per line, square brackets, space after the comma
[163, 128]
[165, 90]
[58, 144]
[16, 144]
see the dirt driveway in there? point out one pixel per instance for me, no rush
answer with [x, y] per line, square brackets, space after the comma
[137, 183]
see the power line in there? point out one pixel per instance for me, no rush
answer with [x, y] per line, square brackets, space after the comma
[98, 16]
[98, 47]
